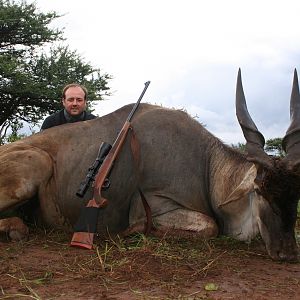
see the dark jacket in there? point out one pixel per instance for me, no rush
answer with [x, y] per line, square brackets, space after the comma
[59, 118]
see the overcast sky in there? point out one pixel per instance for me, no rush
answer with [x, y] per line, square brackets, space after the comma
[191, 50]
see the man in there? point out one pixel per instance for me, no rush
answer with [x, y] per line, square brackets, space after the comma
[74, 98]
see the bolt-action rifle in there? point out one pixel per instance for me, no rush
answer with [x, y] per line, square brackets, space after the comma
[93, 170]
[86, 226]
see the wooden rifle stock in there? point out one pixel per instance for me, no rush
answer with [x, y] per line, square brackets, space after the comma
[108, 163]
[86, 225]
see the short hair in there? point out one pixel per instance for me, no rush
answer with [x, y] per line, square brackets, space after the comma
[74, 85]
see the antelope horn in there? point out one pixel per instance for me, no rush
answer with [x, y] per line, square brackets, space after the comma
[255, 140]
[290, 143]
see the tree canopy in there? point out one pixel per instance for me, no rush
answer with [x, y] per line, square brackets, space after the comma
[34, 68]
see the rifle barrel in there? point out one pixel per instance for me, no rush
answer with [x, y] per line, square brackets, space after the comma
[138, 102]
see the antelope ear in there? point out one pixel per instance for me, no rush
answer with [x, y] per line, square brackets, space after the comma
[243, 189]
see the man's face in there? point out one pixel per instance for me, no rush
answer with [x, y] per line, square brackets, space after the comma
[74, 102]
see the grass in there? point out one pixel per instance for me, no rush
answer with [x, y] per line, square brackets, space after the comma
[138, 263]
[165, 263]
[26, 284]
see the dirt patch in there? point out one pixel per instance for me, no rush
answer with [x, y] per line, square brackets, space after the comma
[45, 267]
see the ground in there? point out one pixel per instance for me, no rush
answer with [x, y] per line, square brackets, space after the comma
[139, 267]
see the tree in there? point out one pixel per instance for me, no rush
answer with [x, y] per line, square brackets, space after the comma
[272, 146]
[32, 74]
[14, 135]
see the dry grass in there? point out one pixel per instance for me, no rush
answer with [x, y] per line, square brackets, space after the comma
[45, 267]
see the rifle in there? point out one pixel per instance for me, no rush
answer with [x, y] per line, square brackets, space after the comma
[86, 226]
[93, 170]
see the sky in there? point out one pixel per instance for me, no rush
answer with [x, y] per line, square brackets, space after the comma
[191, 51]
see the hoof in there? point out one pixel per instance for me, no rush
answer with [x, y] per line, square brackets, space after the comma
[18, 236]
[15, 228]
